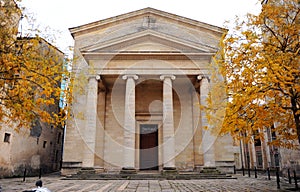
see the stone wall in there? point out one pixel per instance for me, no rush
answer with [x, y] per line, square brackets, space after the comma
[24, 151]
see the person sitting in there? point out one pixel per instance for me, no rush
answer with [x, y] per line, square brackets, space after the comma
[40, 188]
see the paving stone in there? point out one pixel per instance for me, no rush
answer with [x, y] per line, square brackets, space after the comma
[57, 184]
[142, 189]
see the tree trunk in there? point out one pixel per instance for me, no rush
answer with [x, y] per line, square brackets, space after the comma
[297, 122]
[296, 117]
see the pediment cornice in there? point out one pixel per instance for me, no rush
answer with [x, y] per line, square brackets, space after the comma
[122, 43]
[94, 26]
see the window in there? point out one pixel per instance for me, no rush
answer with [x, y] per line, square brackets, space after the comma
[273, 133]
[259, 158]
[7, 137]
[257, 142]
[45, 144]
[276, 158]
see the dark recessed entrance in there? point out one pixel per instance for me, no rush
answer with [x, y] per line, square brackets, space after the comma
[148, 147]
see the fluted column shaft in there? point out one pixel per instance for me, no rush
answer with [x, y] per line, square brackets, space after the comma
[129, 121]
[168, 122]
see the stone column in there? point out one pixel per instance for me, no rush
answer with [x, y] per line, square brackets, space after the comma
[197, 138]
[89, 134]
[168, 123]
[129, 122]
[242, 151]
[100, 133]
[207, 138]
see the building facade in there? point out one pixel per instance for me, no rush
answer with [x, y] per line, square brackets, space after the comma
[31, 148]
[257, 153]
[140, 79]
[36, 148]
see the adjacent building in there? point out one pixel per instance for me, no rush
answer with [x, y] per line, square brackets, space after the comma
[32, 149]
[259, 154]
[37, 148]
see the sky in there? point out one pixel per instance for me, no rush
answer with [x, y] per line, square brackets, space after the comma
[60, 15]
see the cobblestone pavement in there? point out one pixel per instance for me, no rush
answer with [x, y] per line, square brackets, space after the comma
[57, 184]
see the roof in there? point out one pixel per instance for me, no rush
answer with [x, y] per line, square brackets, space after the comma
[143, 12]
[42, 40]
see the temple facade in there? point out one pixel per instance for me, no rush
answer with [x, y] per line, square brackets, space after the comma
[140, 79]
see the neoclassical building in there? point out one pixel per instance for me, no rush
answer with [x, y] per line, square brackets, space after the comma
[140, 79]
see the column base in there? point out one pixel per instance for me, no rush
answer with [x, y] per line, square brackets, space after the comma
[128, 170]
[99, 169]
[210, 170]
[169, 171]
[198, 168]
[86, 171]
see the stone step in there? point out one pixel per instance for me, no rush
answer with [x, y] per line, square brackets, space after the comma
[147, 176]
[210, 170]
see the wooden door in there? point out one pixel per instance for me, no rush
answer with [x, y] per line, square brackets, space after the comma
[148, 147]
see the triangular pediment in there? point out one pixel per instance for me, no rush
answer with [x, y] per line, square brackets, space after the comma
[147, 25]
[147, 41]
[151, 15]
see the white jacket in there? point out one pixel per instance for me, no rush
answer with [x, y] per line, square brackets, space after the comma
[41, 189]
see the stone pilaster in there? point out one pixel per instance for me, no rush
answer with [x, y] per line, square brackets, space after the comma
[89, 134]
[168, 123]
[266, 150]
[207, 138]
[129, 122]
[252, 153]
[242, 151]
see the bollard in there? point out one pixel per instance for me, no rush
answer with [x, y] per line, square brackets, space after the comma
[24, 176]
[255, 172]
[249, 168]
[295, 178]
[40, 173]
[249, 172]
[289, 177]
[269, 176]
[243, 169]
[277, 178]
[234, 170]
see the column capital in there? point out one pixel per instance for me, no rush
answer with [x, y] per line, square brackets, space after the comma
[203, 76]
[163, 77]
[96, 77]
[125, 77]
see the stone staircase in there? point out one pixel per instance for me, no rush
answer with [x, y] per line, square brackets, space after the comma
[206, 173]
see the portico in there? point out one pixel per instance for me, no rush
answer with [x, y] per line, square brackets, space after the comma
[142, 77]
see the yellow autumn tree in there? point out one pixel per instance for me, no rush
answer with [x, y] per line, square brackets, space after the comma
[260, 63]
[31, 72]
